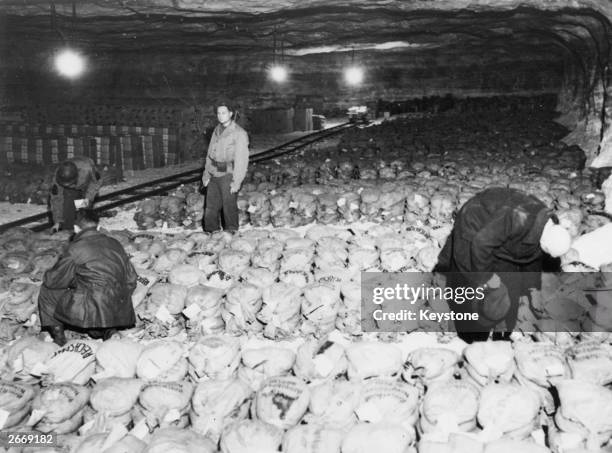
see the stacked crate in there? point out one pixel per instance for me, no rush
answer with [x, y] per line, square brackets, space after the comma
[126, 147]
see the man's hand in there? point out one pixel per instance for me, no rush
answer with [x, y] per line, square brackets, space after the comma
[205, 180]
[234, 187]
[494, 282]
[55, 228]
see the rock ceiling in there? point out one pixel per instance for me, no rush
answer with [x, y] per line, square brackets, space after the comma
[499, 29]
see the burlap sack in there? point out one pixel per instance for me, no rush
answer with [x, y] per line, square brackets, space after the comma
[251, 436]
[162, 360]
[281, 401]
[214, 357]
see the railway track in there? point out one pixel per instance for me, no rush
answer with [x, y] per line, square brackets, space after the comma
[40, 222]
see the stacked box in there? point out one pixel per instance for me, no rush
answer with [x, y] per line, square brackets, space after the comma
[69, 147]
[39, 151]
[31, 145]
[54, 151]
[148, 151]
[126, 153]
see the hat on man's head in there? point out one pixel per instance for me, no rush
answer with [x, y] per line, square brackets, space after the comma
[224, 102]
[67, 173]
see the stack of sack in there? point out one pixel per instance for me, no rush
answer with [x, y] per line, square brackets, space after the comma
[508, 410]
[194, 210]
[214, 357]
[218, 403]
[590, 361]
[25, 358]
[259, 209]
[348, 206]
[489, 361]
[15, 403]
[280, 209]
[243, 302]
[267, 255]
[281, 401]
[373, 359]
[161, 313]
[320, 307]
[430, 365]
[392, 203]
[261, 363]
[162, 361]
[312, 438]
[333, 404]
[251, 436]
[172, 210]
[305, 208]
[584, 417]
[173, 439]
[58, 408]
[19, 302]
[280, 311]
[385, 400]
[448, 407]
[327, 208]
[540, 366]
[163, 404]
[319, 360]
[387, 437]
[111, 401]
[203, 310]
[349, 314]
[117, 358]
[370, 204]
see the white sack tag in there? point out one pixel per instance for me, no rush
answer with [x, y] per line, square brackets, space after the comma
[192, 311]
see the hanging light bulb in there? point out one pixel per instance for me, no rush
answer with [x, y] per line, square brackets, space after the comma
[69, 63]
[278, 73]
[353, 75]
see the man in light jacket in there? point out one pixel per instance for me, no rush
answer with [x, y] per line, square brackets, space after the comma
[227, 161]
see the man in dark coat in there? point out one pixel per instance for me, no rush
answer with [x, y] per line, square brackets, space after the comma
[75, 179]
[498, 236]
[91, 285]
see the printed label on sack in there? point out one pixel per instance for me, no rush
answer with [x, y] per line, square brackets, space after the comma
[117, 432]
[39, 369]
[323, 365]
[37, 415]
[18, 364]
[369, 412]
[140, 430]
[83, 349]
[171, 416]
[4, 415]
[83, 430]
[164, 315]
[192, 311]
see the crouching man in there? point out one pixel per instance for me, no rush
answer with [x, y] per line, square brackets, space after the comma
[91, 285]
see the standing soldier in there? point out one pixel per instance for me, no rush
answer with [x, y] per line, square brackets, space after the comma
[226, 166]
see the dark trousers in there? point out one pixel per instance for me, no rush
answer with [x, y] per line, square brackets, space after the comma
[69, 210]
[219, 201]
[48, 300]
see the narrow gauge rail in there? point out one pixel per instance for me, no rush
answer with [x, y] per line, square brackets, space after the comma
[164, 185]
